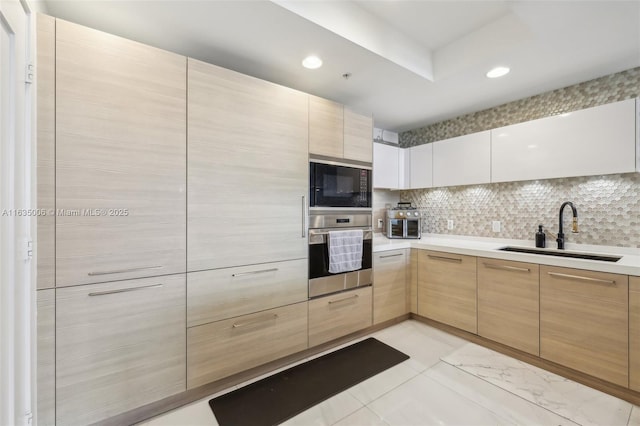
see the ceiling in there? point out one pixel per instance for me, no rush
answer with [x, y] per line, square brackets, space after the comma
[412, 62]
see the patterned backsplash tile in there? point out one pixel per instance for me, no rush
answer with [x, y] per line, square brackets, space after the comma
[608, 209]
[608, 206]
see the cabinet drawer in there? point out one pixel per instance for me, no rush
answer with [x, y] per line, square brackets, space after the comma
[584, 321]
[223, 348]
[447, 289]
[337, 315]
[634, 333]
[509, 303]
[390, 295]
[119, 346]
[231, 292]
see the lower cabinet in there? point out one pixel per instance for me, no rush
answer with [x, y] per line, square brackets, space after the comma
[119, 346]
[390, 295]
[223, 348]
[584, 322]
[509, 303]
[46, 357]
[413, 282]
[337, 315]
[634, 333]
[447, 289]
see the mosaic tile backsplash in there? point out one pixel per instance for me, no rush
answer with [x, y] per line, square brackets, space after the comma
[608, 209]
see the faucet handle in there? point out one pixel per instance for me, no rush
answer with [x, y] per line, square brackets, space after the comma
[574, 227]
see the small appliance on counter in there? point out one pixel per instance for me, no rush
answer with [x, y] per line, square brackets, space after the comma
[403, 221]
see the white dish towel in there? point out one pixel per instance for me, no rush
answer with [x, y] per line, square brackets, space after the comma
[345, 250]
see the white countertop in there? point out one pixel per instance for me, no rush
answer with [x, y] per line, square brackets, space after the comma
[488, 247]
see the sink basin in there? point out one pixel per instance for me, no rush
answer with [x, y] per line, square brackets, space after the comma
[560, 253]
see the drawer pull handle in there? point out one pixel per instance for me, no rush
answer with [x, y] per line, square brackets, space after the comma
[122, 271]
[255, 321]
[579, 277]
[506, 267]
[262, 271]
[304, 215]
[391, 255]
[354, 296]
[124, 290]
[450, 259]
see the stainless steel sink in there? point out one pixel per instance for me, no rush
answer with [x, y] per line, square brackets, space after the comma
[560, 253]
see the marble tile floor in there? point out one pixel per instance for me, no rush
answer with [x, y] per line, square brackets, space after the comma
[447, 381]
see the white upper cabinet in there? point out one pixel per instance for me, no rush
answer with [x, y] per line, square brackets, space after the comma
[420, 160]
[465, 160]
[386, 161]
[594, 141]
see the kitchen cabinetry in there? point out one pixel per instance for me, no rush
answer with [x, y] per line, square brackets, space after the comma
[46, 351]
[337, 315]
[584, 322]
[386, 160]
[447, 289]
[634, 333]
[421, 166]
[247, 147]
[223, 348]
[120, 158]
[390, 290]
[413, 282]
[464, 160]
[593, 141]
[232, 292]
[45, 167]
[119, 346]
[508, 303]
[358, 136]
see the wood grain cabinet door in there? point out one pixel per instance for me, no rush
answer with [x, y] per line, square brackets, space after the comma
[248, 170]
[46, 302]
[390, 295]
[447, 289]
[509, 303]
[119, 346]
[120, 158]
[584, 322]
[326, 127]
[358, 136]
[634, 333]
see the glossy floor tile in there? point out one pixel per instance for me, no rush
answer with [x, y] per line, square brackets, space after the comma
[447, 381]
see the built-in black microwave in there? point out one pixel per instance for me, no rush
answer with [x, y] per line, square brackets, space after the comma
[336, 185]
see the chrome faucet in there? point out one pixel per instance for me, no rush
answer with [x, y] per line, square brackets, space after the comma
[574, 227]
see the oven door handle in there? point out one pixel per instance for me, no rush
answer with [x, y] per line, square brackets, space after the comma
[320, 237]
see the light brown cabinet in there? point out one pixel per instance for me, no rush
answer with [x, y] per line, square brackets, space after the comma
[447, 289]
[46, 351]
[584, 322]
[119, 346]
[248, 143]
[634, 333]
[508, 303]
[339, 314]
[222, 348]
[413, 281]
[231, 292]
[339, 132]
[390, 289]
[120, 158]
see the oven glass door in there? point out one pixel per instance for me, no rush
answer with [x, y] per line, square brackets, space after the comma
[396, 228]
[319, 258]
[340, 186]
[413, 228]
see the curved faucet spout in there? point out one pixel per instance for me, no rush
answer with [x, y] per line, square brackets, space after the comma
[574, 227]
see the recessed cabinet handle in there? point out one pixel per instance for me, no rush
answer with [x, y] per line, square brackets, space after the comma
[255, 321]
[506, 267]
[122, 271]
[262, 271]
[124, 290]
[331, 302]
[391, 255]
[581, 278]
[450, 259]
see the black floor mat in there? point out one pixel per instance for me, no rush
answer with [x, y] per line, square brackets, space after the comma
[277, 398]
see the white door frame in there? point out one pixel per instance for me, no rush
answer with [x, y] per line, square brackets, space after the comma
[17, 198]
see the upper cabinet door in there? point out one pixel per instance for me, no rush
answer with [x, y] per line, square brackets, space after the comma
[594, 141]
[120, 158]
[326, 127]
[421, 166]
[465, 160]
[358, 136]
[386, 166]
[248, 170]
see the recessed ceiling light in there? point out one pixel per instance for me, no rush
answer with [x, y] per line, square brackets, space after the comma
[312, 62]
[498, 72]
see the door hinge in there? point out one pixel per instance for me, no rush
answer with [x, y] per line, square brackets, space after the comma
[30, 73]
[28, 250]
[29, 418]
